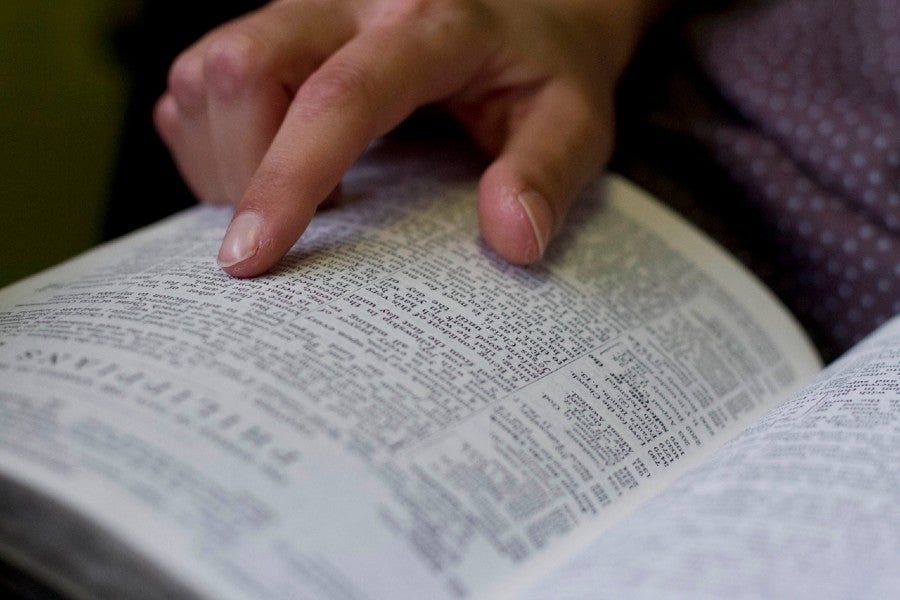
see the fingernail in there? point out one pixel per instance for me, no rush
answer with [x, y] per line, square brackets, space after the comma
[538, 211]
[241, 240]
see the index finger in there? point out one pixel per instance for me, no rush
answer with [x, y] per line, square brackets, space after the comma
[361, 92]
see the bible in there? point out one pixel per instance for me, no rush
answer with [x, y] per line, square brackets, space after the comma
[394, 412]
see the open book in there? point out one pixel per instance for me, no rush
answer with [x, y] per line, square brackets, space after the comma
[396, 413]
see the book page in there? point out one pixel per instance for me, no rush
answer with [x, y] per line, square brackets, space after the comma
[394, 412]
[804, 504]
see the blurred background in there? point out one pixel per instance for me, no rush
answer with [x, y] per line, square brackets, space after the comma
[79, 160]
[62, 98]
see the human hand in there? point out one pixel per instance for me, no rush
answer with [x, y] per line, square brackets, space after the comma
[270, 110]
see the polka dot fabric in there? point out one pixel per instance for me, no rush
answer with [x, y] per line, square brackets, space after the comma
[816, 146]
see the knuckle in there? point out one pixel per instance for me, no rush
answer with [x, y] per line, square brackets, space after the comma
[440, 17]
[445, 25]
[234, 61]
[186, 82]
[431, 8]
[339, 87]
[166, 119]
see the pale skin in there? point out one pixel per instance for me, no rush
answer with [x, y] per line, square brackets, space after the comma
[268, 112]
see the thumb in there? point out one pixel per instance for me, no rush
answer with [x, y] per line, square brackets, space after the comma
[558, 139]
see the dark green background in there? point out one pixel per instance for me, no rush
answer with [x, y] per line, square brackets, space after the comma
[61, 104]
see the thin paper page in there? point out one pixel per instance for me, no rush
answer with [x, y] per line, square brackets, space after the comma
[394, 410]
[804, 504]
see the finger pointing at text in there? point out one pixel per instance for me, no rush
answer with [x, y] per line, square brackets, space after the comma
[269, 111]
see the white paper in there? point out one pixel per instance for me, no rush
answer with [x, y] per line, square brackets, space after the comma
[394, 412]
[802, 505]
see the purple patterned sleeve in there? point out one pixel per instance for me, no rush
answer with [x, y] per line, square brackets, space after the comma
[814, 142]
